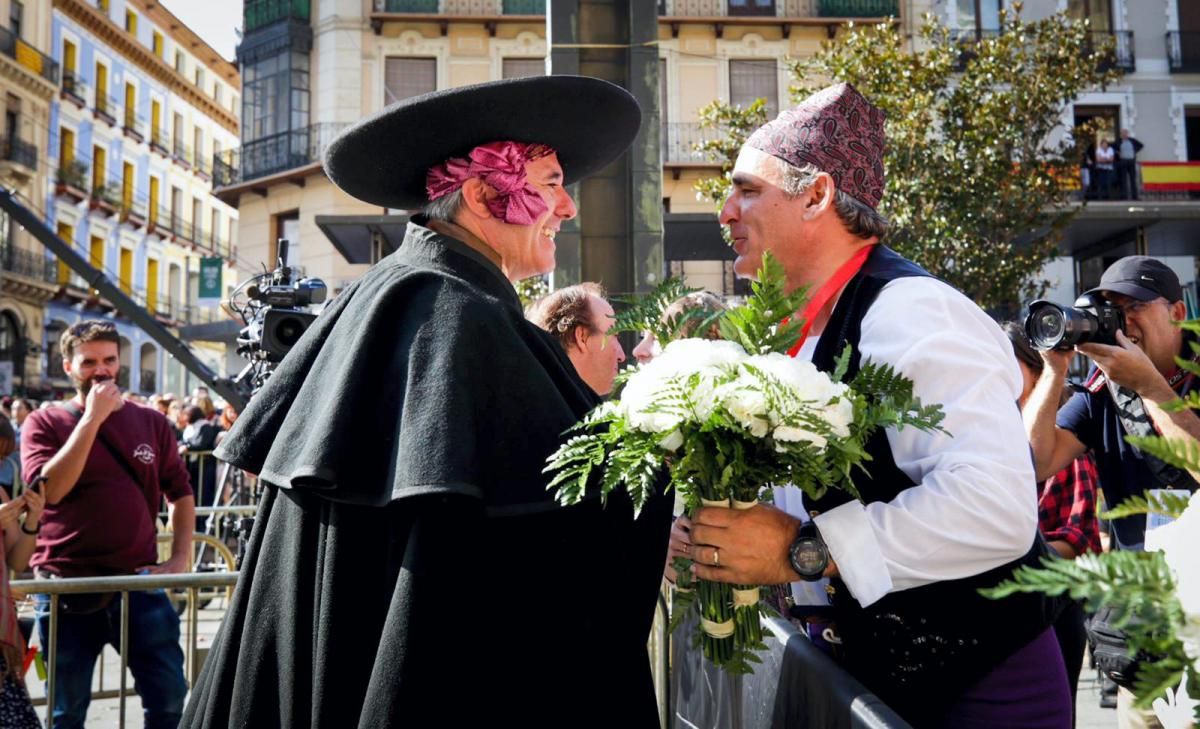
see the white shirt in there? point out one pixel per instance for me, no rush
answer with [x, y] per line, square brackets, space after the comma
[974, 506]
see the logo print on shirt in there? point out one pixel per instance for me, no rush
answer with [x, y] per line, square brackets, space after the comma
[144, 453]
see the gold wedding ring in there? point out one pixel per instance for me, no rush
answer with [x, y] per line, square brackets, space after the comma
[716, 557]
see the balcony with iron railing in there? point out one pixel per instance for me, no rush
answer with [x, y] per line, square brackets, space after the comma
[19, 152]
[134, 211]
[73, 89]
[105, 108]
[182, 153]
[134, 126]
[204, 166]
[28, 57]
[274, 155]
[212, 241]
[106, 198]
[184, 229]
[679, 141]
[259, 13]
[1183, 51]
[30, 264]
[784, 9]
[71, 180]
[1116, 47]
[160, 141]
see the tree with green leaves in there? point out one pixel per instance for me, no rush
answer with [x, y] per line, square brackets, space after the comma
[980, 171]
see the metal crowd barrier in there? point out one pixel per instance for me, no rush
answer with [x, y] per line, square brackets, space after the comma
[123, 585]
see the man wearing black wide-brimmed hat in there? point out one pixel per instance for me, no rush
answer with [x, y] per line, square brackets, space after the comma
[408, 566]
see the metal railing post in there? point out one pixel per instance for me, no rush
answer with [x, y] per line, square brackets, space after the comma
[124, 652]
[52, 654]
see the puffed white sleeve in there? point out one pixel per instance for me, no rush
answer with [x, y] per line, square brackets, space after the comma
[974, 505]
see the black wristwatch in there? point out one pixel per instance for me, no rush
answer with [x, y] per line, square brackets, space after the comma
[808, 554]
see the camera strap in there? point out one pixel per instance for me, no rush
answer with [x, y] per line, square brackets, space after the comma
[1136, 421]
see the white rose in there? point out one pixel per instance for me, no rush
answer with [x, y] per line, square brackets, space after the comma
[672, 441]
[745, 405]
[794, 434]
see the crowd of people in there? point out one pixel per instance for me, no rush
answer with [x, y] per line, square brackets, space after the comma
[425, 449]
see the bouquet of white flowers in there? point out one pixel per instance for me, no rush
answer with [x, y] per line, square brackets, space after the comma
[726, 420]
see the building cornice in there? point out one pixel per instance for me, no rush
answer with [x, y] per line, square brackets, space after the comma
[115, 37]
[23, 77]
[185, 36]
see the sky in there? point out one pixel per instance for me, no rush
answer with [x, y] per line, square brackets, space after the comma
[212, 20]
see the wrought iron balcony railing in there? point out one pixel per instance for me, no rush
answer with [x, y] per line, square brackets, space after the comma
[134, 211]
[274, 154]
[182, 153]
[73, 88]
[159, 140]
[21, 152]
[524, 7]
[134, 126]
[406, 6]
[28, 56]
[73, 174]
[105, 108]
[679, 141]
[1121, 54]
[1183, 51]
[858, 8]
[30, 264]
[258, 13]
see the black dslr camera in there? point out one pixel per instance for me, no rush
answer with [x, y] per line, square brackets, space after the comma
[275, 313]
[1092, 319]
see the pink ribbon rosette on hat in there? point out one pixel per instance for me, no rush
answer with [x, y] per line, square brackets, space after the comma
[502, 166]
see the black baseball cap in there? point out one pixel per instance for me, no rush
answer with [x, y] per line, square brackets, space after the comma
[1142, 278]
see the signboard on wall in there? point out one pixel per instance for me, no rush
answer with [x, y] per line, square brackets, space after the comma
[210, 281]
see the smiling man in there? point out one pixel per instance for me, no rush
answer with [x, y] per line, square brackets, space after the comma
[941, 514]
[408, 565]
[1124, 393]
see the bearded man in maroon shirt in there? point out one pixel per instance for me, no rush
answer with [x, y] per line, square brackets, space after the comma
[107, 467]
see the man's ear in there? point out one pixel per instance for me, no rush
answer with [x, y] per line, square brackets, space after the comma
[475, 193]
[1178, 311]
[821, 196]
[580, 336]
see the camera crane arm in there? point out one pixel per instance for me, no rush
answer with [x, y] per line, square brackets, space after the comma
[97, 280]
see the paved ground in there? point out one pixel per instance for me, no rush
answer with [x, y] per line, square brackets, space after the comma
[105, 714]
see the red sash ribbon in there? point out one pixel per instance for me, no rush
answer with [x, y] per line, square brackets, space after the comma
[828, 290]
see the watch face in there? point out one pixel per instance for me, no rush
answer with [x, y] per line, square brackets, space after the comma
[809, 557]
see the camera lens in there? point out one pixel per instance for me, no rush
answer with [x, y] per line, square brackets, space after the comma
[1046, 325]
[1049, 325]
[289, 330]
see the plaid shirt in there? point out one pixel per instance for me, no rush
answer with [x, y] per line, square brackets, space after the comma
[1067, 507]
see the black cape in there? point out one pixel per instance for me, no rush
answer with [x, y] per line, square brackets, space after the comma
[407, 566]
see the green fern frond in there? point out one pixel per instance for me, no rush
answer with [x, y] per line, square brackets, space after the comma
[645, 313]
[1162, 502]
[1177, 452]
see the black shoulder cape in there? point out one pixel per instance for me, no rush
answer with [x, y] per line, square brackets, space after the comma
[407, 565]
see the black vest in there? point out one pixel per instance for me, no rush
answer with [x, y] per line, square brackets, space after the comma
[917, 649]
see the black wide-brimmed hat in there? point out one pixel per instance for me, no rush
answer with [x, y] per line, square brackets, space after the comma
[384, 158]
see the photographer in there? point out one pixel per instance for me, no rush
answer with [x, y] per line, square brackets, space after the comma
[1124, 395]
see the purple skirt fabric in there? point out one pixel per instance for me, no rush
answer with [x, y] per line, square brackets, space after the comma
[1028, 690]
